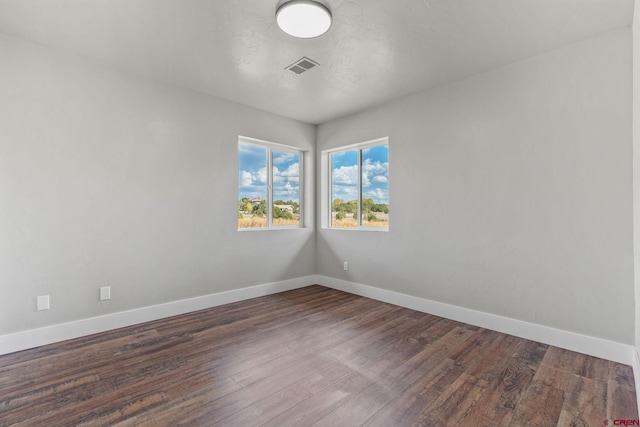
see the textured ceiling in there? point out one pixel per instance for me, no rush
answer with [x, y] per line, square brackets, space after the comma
[376, 50]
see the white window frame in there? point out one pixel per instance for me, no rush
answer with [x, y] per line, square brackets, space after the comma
[271, 146]
[326, 196]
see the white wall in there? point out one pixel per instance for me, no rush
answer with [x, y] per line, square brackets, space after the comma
[109, 179]
[511, 192]
[636, 178]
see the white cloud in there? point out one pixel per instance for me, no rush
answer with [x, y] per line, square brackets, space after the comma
[291, 174]
[345, 181]
[365, 180]
[346, 175]
[378, 195]
[375, 168]
[287, 191]
[244, 149]
[375, 171]
[286, 182]
[292, 171]
[280, 158]
[345, 193]
[261, 176]
[246, 179]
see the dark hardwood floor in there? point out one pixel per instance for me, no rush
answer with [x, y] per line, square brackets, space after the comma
[312, 356]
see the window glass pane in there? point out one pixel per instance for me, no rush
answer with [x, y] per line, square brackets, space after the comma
[286, 188]
[344, 188]
[375, 186]
[252, 186]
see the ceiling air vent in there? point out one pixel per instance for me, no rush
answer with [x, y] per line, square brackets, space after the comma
[301, 65]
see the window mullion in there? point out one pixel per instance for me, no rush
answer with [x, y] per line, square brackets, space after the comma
[359, 188]
[301, 190]
[269, 200]
[330, 185]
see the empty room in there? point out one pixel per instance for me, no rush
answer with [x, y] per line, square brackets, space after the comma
[319, 212]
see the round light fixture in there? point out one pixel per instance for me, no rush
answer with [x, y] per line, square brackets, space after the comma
[304, 19]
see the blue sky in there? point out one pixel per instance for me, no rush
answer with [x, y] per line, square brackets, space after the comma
[375, 174]
[252, 173]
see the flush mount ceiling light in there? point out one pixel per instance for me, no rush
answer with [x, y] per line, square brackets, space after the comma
[304, 19]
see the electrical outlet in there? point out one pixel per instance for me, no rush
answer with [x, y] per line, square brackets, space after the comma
[105, 293]
[42, 302]
[346, 266]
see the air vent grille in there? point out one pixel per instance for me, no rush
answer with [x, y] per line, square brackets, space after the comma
[301, 65]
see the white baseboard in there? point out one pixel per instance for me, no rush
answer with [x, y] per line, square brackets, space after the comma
[617, 352]
[55, 333]
[592, 346]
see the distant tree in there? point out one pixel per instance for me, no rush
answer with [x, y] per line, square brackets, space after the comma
[249, 207]
[372, 217]
[341, 216]
[367, 205]
[240, 216]
[380, 208]
[261, 209]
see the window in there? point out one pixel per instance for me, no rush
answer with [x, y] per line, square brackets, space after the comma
[359, 185]
[269, 178]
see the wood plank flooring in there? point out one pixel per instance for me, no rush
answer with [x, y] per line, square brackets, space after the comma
[312, 356]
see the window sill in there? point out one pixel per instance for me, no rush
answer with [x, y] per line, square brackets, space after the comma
[371, 229]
